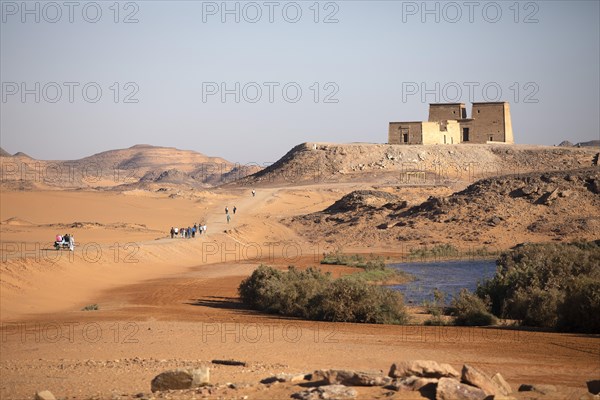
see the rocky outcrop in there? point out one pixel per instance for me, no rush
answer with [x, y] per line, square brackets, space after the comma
[477, 378]
[361, 199]
[283, 377]
[179, 379]
[539, 388]
[502, 384]
[44, 395]
[560, 205]
[352, 378]
[451, 389]
[422, 368]
[326, 392]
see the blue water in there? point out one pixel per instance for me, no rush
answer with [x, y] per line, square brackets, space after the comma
[447, 276]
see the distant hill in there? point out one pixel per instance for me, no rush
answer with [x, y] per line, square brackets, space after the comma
[138, 166]
[4, 153]
[589, 143]
[414, 164]
[565, 143]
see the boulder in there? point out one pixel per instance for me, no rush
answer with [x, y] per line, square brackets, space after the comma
[328, 392]
[286, 378]
[540, 388]
[422, 368]
[179, 379]
[44, 395]
[548, 197]
[502, 384]
[451, 389]
[594, 186]
[565, 193]
[352, 378]
[494, 221]
[477, 378]
[529, 190]
[413, 383]
[593, 386]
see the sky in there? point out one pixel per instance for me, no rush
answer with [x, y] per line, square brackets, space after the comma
[247, 81]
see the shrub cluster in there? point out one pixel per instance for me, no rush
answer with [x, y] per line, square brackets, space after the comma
[470, 310]
[436, 308]
[466, 309]
[553, 285]
[437, 252]
[356, 260]
[311, 294]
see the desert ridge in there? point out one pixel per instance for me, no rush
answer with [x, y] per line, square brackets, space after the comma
[140, 166]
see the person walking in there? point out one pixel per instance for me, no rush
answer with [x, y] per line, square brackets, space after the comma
[234, 209]
[228, 218]
[172, 232]
[226, 210]
[253, 193]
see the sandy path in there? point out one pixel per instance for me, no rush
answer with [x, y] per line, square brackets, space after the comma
[104, 259]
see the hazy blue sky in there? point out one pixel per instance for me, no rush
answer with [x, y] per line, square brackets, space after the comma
[358, 65]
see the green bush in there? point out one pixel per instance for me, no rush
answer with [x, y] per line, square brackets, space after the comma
[313, 295]
[437, 252]
[581, 303]
[553, 285]
[436, 308]
[273, 291]
[356, 260]
[535, 307]
[470, 310]
[260, 289]
[349, 300]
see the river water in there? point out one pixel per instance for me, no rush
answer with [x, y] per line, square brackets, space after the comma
[447, 276]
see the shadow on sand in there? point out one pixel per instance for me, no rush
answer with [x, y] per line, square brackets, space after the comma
[224, 303]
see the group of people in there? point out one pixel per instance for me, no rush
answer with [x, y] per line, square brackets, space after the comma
[227, 215]
[65, 240]
[189, 232]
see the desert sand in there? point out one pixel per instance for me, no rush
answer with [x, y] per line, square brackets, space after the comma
[166, 303]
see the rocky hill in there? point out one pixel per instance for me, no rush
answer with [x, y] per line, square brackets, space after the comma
[310, 163]
[589, 143]
[140, 166]
[504, 210]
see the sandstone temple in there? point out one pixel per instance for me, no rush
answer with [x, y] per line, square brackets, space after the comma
[448, 124]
